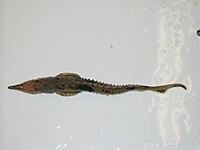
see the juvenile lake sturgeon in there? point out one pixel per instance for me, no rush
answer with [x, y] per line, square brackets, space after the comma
[69, 84]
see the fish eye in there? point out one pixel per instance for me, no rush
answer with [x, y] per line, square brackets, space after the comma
[198, 32]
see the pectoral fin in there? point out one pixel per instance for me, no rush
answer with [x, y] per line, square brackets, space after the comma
[67, 93]
[67, 75]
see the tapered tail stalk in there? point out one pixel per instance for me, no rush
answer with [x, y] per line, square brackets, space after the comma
[160, 89]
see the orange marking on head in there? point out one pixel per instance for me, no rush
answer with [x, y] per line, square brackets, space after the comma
[29, 87]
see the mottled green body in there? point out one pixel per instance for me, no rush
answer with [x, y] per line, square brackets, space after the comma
[68, 84]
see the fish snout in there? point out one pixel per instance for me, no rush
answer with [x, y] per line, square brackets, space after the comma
[16, 87]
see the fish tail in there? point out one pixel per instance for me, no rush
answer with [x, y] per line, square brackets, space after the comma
[160, 89]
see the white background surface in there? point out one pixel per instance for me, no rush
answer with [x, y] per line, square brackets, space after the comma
[121, 42]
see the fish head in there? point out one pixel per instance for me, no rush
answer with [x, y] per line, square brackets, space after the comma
[27, 87]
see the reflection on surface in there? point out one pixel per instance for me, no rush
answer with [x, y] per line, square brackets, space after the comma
[171, 39]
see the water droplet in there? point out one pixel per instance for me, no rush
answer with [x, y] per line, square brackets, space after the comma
[57, 147]
[112, 46]
[146, 29]
[153, 103]
[164, 51]
[135, 142]
[172, 146]
[157, 144]
[175, 15]
[193, 2]
[160, 76]
[177, 35]
[149, 109]
[101, 131]
[177, 27]
[58, 127]
[117, 148]
[168, 72]
[188, 49]
[71, 137]
[170, 136]
[167, 123]
[178, 42]
[170, 23]
[163, 65]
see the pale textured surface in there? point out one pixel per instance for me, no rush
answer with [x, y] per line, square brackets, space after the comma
[148, 42]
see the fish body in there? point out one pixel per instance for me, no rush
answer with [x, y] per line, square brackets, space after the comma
[69, 84]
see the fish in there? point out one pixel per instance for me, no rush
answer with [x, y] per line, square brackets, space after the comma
[70, 84]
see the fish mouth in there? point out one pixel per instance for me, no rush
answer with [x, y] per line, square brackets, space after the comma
[15, 87]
